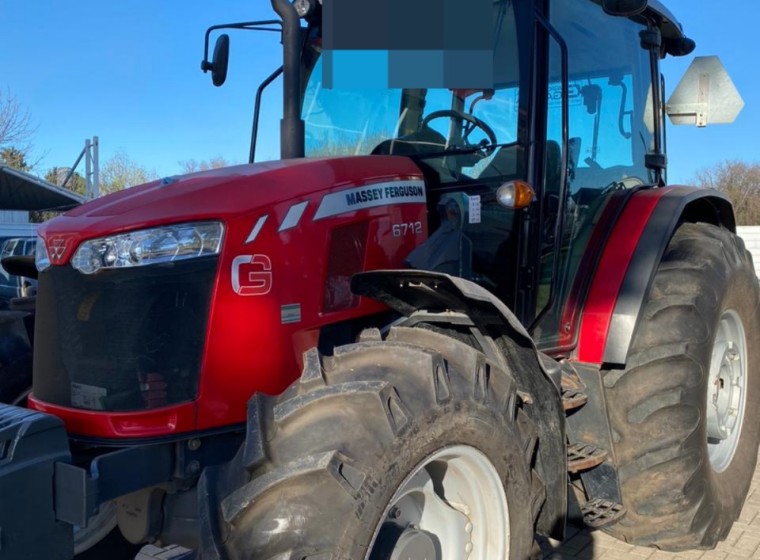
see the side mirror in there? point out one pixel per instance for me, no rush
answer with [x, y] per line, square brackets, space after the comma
[705, 95]
[20, 266]
[219, 61]
[624, 8]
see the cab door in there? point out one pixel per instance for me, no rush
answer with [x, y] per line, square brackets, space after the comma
[606, 97]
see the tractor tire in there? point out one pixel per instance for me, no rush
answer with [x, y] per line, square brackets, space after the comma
[409, 447]
[683, 411]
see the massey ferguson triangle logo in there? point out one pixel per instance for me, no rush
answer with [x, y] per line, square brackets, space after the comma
[57, 249]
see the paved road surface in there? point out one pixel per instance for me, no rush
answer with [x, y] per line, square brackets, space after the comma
[743, 541]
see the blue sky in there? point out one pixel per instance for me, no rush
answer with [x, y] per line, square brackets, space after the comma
[128, 72]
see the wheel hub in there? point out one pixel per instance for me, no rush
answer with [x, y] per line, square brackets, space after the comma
[451, 507]
[414, 544]
[726, 391]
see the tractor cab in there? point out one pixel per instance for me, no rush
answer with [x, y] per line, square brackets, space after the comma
[519, 166]
[516, 173]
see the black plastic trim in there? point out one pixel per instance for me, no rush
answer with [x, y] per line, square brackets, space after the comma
[590, 424]
[670, 211]
[79, 490]
[31, 444]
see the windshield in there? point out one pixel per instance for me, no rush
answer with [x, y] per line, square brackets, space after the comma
[461, 133]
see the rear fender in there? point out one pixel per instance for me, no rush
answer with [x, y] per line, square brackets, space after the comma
[31, 443]
[440, 298]
[674, 206]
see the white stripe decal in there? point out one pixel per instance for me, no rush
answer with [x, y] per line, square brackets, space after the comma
[371, 196]
[293, 216]
[256, 229]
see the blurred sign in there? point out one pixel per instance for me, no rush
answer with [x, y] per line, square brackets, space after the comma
[705, 95]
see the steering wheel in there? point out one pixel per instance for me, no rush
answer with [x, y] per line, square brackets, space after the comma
[474, 121]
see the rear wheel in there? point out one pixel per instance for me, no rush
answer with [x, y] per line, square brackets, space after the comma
[683, 411]
[412, 447]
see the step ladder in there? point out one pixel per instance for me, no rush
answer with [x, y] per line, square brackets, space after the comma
[582, 457]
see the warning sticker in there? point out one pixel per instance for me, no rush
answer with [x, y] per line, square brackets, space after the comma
[473, 209]
[87, 396]
[371, 196]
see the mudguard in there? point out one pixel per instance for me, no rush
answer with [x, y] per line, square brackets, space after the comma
[411, 291]
[30, 445]
[627, 266]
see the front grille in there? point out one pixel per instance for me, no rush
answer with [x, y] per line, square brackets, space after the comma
[122, 340]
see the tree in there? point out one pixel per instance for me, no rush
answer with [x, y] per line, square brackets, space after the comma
[741, 183]
[15, 158]
[16, 126]
[57, 175]
[121, 172]
[192, 165]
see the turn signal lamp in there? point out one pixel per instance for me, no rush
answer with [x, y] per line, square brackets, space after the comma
[515, 195]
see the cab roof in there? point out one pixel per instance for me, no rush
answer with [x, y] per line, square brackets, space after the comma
[671, 27]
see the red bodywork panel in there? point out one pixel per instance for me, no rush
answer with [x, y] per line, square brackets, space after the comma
[610, 272]
[275, 286]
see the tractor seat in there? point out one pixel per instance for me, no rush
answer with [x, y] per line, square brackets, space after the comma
[425, 140]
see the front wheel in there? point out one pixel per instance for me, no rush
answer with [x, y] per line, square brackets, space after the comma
[411, 447]
[684, 413]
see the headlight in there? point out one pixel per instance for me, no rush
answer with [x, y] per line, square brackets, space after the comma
[41, 258]
[149, 246]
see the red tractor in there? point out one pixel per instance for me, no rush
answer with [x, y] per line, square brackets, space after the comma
[483, 317]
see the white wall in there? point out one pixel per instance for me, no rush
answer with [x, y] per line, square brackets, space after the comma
[751, 237]
[15, 223]
[14, 217]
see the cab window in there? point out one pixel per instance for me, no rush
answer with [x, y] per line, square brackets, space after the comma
[610, 132]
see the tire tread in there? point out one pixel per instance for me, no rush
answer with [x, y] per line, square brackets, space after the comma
[656, 403]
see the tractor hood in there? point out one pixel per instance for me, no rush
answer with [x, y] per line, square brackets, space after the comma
[221, 194]
[294, 234]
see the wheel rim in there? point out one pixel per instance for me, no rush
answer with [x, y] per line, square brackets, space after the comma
[726, 391]
[98, 527]
[452, 506]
